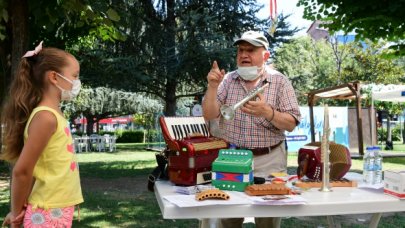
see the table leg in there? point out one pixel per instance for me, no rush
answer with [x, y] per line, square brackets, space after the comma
[375, 219]
[331, 222]
[208, 223]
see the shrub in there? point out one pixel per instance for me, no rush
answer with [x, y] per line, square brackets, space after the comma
[130, 137]
[396, 134]
[153, 136]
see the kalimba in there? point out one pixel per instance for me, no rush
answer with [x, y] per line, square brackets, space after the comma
[233, 170]
[191, 149]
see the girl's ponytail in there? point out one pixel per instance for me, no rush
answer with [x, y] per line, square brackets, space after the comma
[19, 105]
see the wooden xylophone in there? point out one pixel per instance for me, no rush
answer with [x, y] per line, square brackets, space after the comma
[267, 189]
[333, 183]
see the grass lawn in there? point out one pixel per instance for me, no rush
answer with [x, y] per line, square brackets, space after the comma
[115, 192]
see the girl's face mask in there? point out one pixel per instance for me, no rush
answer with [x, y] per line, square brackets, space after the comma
[68, 95]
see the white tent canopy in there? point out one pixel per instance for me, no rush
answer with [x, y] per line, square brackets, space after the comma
[391, 93]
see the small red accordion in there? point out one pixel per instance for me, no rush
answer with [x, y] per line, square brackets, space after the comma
[191, 149]
[310, 163]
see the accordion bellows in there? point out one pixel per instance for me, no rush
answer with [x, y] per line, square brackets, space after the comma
[310, 163]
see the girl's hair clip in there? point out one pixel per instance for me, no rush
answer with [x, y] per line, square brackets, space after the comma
[33, 52]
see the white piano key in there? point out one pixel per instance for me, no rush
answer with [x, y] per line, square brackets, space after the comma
[180, 127]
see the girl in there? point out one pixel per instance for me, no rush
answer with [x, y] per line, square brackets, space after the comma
[45, 179]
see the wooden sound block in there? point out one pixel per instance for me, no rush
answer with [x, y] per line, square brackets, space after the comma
[211, 194]
[333, 183]
[267, 189]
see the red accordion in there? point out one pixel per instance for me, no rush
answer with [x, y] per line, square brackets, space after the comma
[310, 163]
[192, 149]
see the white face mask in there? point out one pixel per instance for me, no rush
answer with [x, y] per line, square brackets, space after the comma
[249, 73]
[68, 95]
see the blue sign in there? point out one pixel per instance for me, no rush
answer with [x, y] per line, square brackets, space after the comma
[296, 138]
[338, 124]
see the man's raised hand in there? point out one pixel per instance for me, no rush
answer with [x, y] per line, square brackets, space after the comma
[215, 75]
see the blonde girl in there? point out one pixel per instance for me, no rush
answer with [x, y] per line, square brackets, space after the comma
[45, 183]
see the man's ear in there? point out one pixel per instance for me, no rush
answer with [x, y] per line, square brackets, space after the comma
[266, 55]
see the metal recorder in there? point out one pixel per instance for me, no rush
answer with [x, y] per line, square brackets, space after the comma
[228, 112]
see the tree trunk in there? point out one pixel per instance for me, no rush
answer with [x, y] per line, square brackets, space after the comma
[13, 48]
[18, 10]
[19, 31]
[97, 126]
[170, 106]
[4, 68]
[388, 144]
[171, 85]
[90, 124]
[403, 132]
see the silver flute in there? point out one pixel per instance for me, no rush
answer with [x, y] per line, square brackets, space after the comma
[325, 153]
[228, 112]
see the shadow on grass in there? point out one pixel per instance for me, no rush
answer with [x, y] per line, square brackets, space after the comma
[141, 211]
[116, 169]
[4, 169]
[133, 147]
[4, 203]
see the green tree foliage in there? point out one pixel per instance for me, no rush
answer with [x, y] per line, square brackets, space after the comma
[180, 40]
[24, 23]
[370, 66]
[307, 64]
[314, 65]
[171, 46]
[169, 49]
[283, 33]
[101, 102]
[373, 19]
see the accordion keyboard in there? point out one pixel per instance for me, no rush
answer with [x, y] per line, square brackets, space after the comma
[181, 127]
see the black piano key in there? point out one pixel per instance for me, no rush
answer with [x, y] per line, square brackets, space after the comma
[188, 128]
[180, 131]
[183, 134]
[199, 129]
[175, 132]
[185, 129]
[204, 130]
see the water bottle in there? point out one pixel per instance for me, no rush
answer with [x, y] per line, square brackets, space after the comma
[368, 166]
[377, 165]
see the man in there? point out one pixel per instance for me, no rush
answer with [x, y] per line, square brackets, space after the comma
[260, 124]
